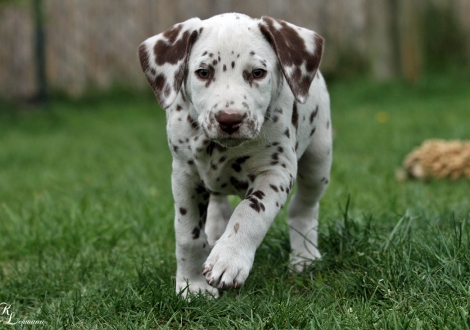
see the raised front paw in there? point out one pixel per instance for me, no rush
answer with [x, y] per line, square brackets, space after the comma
[227, 268]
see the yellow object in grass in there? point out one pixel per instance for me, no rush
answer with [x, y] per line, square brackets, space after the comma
[382, 117]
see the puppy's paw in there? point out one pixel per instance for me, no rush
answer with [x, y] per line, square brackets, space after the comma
[227, 267]
[299, 263]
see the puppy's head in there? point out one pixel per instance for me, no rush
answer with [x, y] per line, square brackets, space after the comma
[231, 69]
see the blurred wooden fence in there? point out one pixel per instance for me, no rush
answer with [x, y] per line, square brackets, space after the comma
[93, 44]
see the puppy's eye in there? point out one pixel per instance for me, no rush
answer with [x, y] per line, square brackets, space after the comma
[258, 73]
[203, 73]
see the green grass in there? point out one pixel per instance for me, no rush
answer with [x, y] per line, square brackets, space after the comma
[86, 222]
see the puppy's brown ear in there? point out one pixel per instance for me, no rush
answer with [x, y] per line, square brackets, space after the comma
[164, 58]
[298, 50]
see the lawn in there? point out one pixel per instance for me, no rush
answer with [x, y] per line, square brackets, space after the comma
[86, 221]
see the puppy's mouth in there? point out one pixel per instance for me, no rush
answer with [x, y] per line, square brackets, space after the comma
[227, 141]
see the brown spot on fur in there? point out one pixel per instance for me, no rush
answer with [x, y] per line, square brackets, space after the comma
[193, 123]
[313, 114]
[256, 205]
[237, 165]
[312, 131]
[273, 187]
[172, 51]
[295, 116]
[239, 185]
[158, 85]
[203, 211]
[287, 133]
[144, 58]
[172, 33]
[196, 231]
[237, 225]
[183, 211]
[258, 194]
[210, 148]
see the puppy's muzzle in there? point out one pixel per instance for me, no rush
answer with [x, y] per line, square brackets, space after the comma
[230, 120]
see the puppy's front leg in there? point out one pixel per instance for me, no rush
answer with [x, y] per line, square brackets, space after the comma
[192, 249]
[231, 259]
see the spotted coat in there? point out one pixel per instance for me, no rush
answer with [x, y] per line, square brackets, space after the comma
[248, 113]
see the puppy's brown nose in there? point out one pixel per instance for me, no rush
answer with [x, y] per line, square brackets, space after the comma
[229, 121]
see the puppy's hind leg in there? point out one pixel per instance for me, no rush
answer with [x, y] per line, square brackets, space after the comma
[312, 179]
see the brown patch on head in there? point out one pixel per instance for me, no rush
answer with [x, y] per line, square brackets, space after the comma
[172, 33]
[168, 51]
[144, 57]
[298, 63]
[170, 47]
[158, 85]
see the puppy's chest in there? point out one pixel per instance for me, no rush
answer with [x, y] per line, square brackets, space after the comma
[224, 171]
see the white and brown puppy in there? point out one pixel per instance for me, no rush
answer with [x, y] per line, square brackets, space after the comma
[247, 112]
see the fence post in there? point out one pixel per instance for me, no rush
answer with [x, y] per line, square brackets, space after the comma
[40, 52]
[410, 39]
[384, 55]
